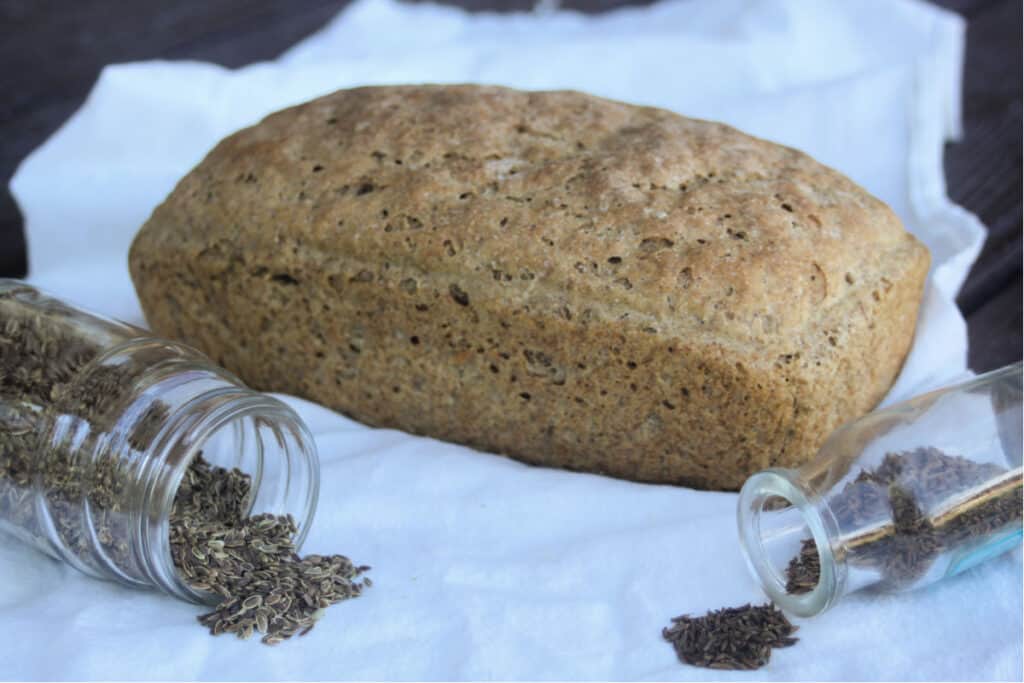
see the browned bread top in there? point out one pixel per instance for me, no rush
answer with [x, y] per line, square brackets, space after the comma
[569, 202]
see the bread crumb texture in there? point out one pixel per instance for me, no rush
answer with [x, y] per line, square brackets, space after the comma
[568, 280]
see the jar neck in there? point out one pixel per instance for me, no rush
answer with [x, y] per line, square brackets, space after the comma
[175, 407]
[779, 517]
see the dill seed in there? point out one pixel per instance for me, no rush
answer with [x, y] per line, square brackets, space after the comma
[730, 638]
[933, 503]
[52, 363]
[44, 348]
[264, 585]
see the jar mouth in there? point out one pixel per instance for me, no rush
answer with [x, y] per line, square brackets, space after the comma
[230, 427]
[776, 518]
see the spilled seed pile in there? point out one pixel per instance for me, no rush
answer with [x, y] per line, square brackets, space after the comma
[250, 562]
[730, 638]
[911, 509]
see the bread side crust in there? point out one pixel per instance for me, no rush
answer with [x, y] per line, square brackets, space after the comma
[605, 396]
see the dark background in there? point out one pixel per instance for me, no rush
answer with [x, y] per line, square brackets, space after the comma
[53, 50]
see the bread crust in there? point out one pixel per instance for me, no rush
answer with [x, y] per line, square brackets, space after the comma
[568, 280]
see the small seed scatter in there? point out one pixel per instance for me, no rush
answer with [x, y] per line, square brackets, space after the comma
[250, 562]
[916, 505]
[732, 637]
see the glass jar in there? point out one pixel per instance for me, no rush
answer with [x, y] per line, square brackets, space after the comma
[99, 422]
[896, 500]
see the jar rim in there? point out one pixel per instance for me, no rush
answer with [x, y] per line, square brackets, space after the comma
[782, 483]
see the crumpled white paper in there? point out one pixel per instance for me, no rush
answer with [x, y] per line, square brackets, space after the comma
[483, 567]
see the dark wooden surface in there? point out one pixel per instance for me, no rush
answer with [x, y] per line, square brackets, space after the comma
[53, 50]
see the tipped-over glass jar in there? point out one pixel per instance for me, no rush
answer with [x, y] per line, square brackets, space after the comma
[99, 421]
[896, 500]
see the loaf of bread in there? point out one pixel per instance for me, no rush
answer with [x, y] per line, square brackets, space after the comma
[568, 280]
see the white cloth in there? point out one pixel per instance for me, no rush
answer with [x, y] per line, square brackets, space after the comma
[485, 568]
